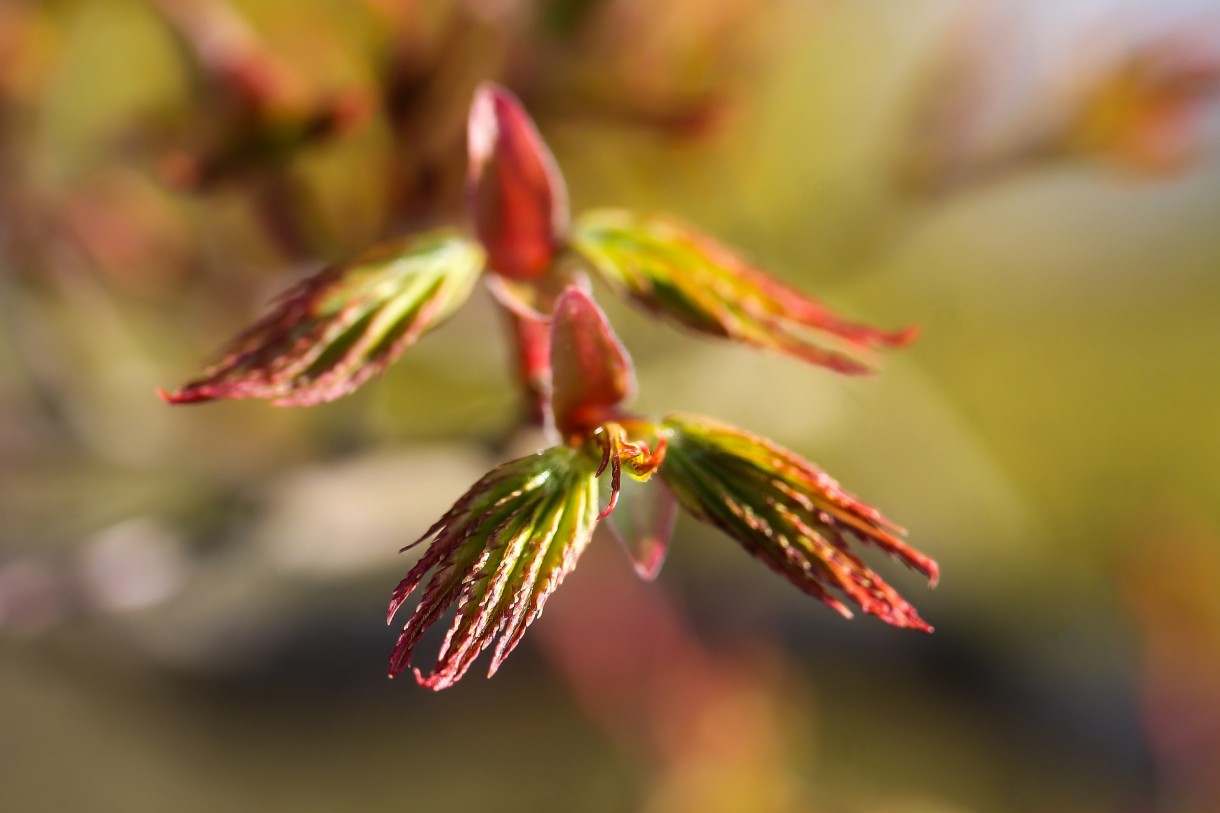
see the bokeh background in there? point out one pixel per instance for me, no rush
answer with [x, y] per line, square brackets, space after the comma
[191, 598]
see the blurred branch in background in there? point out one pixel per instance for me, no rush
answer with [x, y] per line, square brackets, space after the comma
[1127, 84]
[252, 116]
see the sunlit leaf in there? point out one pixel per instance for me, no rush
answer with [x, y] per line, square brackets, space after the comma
[498, 554]
[681, 274]
[518, 200]
[591, 372]
[334, 331]
[785, 511]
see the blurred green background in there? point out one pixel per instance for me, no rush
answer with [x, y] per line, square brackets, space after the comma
[190, 599]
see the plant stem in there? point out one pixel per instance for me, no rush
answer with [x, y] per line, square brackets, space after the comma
[531, 351]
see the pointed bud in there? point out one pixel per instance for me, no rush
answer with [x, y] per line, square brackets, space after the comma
[517, 197]
[591, 372]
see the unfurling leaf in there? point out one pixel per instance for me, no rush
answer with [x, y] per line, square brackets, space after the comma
[677, 272]
[517, 197]
[785, 511]
[591, 372]
[498, 554]
[334, 331]
[643, 523]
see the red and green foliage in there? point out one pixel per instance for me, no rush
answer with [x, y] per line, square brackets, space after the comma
[687, 277]
[788, 513]
[498, 554]
[507, 544]
[519, 216]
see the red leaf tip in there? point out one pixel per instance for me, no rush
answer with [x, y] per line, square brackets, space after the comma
[903, 336]
[187, 395]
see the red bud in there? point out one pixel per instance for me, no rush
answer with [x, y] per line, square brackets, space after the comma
[517, 196]
[591, 371]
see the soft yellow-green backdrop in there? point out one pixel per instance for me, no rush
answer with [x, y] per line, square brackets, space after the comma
[191, 599]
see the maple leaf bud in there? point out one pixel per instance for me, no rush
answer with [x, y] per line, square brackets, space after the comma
[339, 328]
[789, 514]
[516, 194]
[675, 271]
[591, 371]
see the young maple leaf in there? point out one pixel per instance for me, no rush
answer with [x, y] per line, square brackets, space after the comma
[498, 554]
[507, 544]
[789, 514]
[337, 329]
[673, 270]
